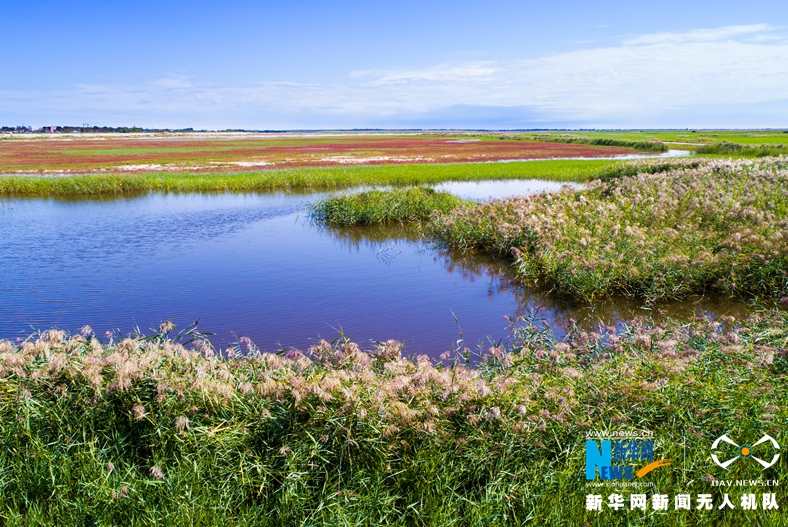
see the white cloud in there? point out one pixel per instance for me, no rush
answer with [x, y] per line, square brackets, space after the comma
[699, 35]
[765, 38]
[483, 71]
[445, 72]
[639, 81]
[174, 81]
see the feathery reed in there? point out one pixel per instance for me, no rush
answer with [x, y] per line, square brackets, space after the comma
[148, 432]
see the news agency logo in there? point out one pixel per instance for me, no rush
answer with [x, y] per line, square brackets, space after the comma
[744, 451]
[616, 459]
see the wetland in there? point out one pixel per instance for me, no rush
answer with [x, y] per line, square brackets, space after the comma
[256, 265]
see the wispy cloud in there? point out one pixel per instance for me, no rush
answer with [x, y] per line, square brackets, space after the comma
[639, 81]
[174, 81]
[445, 72]
[699, 35]
[765, 38]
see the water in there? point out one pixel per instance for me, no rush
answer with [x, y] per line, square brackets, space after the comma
[254, 265]
[482, 190]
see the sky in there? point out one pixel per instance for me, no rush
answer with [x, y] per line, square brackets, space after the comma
[277, 65]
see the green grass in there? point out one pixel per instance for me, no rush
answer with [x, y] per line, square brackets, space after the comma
[642, 146]
[145, 432]
[742, 150]
[717, 226]
[304, 178]
[376, 206]
[685, 136]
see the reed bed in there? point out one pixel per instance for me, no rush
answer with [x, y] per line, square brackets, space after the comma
[720, 225]
[146, 431]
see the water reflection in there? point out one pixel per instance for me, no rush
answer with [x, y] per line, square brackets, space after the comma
[560, 312]
[483, 190]
[254, 265]
[563, 312]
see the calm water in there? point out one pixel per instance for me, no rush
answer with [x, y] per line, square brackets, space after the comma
[254, 265]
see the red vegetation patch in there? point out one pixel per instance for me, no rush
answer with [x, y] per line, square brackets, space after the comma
[62, 154]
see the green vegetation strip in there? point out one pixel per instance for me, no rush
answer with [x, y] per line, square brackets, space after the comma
[740, 150]
[687, 137]
[643, 146]
[146, 432]
[303, 178]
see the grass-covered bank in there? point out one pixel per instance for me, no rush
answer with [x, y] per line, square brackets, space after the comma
[720, 226]
[146, 432]
[303, 178]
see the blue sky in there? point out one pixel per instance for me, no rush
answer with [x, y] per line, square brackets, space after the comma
[467, 64]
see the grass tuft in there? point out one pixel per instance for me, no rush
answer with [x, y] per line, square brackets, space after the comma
[376, 206]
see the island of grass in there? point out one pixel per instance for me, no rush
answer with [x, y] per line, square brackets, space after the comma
[669, 230]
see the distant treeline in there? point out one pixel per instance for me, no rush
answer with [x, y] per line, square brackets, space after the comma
[644, 146]
[743, 150]
[99, 129]
[92, 129]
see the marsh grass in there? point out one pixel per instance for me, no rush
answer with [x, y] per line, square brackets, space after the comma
[416, 204]
[652, 229]
[743, 150]
[304, 178]
[688, 138]
[147, 432]
[642, 146]
[375, 206]
[647, 166]
[717, 226]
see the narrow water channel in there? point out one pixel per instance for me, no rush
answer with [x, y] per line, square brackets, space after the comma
[254, 265]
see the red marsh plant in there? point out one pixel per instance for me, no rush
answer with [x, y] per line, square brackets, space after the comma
[721, 225]
[189, 153]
